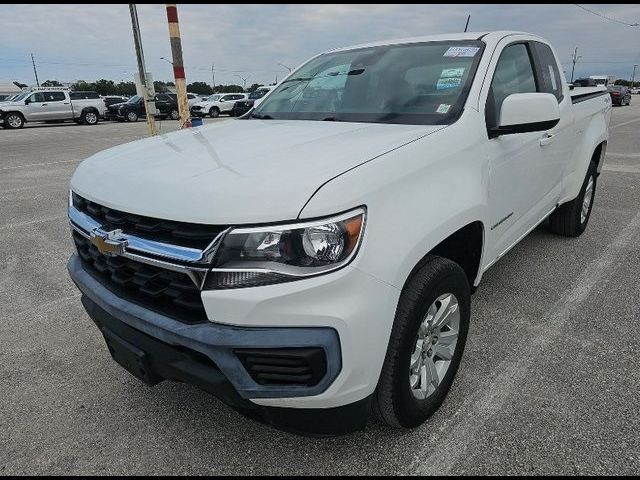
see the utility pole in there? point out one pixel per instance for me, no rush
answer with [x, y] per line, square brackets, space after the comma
[467, 25]
[137, 40]
[178, 66]
[574, 61]
[213, 78]
[34, 70]
[633, 75]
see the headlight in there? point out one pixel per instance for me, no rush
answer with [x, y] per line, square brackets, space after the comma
[250, 257]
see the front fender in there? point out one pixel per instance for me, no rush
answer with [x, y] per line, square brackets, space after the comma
[416, 196]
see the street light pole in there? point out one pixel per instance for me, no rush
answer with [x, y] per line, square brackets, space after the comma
[575, 60]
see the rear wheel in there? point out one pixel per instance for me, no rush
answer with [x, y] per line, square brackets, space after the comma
[426, 344]
[89, 117]
[13, 121]
[174, 114]
[132, 116]
[571, 219]
[214, 112]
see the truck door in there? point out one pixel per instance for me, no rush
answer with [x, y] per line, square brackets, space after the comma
[36, 110]
[58, 106]
[523, 183]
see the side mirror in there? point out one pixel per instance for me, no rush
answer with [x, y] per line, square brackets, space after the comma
[527, 112]
[27, 101]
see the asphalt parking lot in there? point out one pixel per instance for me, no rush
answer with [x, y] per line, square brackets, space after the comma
[550, 381]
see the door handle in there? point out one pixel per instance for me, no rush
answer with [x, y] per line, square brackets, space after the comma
[547, 139]
[44, 104]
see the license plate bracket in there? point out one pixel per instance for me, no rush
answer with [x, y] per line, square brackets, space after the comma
[131, 358]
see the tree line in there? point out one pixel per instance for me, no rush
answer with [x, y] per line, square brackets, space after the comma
[109, 87]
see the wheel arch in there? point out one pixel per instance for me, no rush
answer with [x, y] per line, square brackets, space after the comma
[464, 246]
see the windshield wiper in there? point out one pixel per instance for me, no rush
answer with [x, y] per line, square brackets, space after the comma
[298, 79]
[261, 117]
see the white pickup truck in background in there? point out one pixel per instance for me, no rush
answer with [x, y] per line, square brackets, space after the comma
[48, 105]
[324, 269]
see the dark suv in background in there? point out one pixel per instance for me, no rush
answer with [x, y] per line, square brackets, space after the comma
[133, 109]
[620, 95]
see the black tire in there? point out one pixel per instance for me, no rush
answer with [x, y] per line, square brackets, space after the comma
[393, 402]
[214, 112]
[567, 219]
[89, 117]
[13, 120]
[131, 116]
[174, 115]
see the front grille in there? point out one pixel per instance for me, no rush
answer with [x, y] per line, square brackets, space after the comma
[193, 235]
[284, 366]
[164, 291]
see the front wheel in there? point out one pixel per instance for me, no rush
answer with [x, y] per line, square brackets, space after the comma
[174, 114]
[426, 344]
[13, 120]
[214, 112]
[571, 219]
[132, 116]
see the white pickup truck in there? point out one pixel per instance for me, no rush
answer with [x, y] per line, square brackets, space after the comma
[324, 269]
[49, 105]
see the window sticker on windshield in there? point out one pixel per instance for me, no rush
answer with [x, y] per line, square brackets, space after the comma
[443, 83]
[461, 51]
[443, 108]
[452, 72]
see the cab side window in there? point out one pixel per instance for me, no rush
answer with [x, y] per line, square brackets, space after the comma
[547, 69]
[36, 98]
[514, 74]
[54, 96]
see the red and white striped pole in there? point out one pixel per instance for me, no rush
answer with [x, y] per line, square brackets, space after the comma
[178, 67]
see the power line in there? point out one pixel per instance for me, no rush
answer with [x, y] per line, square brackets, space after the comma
[607, 17]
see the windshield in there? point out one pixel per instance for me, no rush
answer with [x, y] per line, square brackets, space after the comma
[421, 83]
[134, 99]
[21, 97]
[615, 88]
[212, 98]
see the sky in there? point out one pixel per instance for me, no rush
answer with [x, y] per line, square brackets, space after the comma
[89, 42]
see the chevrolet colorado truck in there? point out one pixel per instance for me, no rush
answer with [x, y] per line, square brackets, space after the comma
[323, 271]
[48, 105]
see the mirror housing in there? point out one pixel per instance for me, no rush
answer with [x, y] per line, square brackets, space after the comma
[527, 112]
[27, 101]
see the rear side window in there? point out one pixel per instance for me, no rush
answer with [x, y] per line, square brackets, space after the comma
[547, 70]
[514, 74]
[54, 96]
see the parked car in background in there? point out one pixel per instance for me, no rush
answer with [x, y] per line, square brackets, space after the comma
[216, 104]
[253, 99]
[605, 80]
[133, 109]
[620, 95]
[113, 99]
[634, 91]
[82, 95]
[192, 98]
[314, 261]
[584, 82]
[50, 105]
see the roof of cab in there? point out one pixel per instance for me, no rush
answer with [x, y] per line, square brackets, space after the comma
[493, 36]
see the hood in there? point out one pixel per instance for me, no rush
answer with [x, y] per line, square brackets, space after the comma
[234, 172]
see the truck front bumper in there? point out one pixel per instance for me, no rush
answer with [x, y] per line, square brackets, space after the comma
[154, 347]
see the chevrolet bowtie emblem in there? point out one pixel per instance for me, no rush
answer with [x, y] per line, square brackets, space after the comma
[108, 243]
